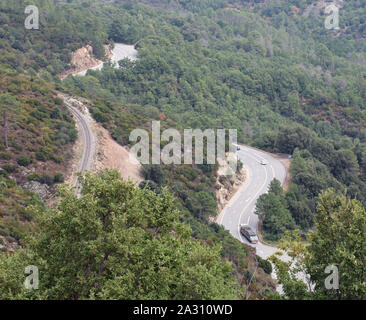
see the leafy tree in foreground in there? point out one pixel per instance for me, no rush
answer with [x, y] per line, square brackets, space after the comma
[339, 240]
[117, 242]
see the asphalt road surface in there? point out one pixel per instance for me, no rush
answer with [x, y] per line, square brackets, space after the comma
[241, 208]
[88, 139]
[120, 52]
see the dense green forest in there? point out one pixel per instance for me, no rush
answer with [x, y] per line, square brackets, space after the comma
[195, 186]
[283, 83]
[267, 68]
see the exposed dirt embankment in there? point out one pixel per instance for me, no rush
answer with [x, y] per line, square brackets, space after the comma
[113, 156]
[83, 59]
[108, 153]
[229, 186]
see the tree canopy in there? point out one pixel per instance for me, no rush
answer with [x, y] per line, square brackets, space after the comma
[116, 242]
[339, 240]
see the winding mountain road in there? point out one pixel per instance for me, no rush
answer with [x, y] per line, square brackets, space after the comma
[88, 139]
[241, 208]
[120, 51]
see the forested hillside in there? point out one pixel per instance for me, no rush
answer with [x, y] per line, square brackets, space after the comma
[24, 54]
[36, 135]
[269, 69]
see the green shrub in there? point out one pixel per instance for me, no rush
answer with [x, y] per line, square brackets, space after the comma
[3, 173]
[18, 146]
[43, 154]
[6, 156]
[58, 101]
[47, 178]
[11, 183]
[57, 159]
[154, 173]
[40, 156]
[151, 185]
[265, 265]
[189, 172]
[100, 117]
[9, 168]
[34, 177]
[58, 178]
[23, 161]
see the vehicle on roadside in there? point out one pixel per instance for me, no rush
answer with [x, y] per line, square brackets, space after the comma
[248, 233]
[238, 148]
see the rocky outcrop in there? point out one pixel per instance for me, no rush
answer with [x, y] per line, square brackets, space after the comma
[228, 186]
[42, 190]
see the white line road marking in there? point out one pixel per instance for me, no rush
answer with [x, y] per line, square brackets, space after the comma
[262, 250]
[247, 183]
[259, 191]
[273, 171]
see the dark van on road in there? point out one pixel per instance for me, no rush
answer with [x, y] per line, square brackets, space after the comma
[248, 233]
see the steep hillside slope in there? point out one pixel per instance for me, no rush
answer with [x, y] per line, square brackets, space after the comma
[34, 147]
[270, 69]
[40, 159]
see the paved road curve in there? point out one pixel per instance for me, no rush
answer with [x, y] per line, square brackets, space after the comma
[241, 208]
[87, 135]
[120, 52]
